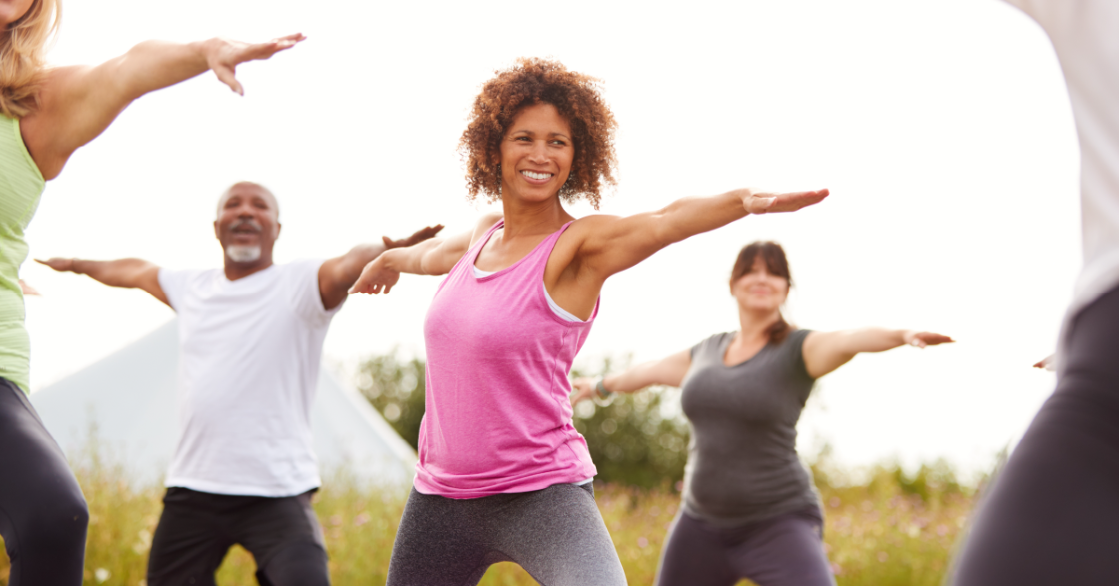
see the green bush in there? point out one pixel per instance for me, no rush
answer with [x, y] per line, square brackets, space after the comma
[395, 387]
[637, 440]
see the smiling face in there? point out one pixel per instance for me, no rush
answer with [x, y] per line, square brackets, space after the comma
[760, 289]
[536, 154]
[13, 10]
[248, 224]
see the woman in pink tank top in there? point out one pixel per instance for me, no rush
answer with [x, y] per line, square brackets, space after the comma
[502, 474]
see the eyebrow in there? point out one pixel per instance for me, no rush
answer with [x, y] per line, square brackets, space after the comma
[550, 135]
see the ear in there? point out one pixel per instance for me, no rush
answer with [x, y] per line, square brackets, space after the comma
[216, 234]
[278, 226]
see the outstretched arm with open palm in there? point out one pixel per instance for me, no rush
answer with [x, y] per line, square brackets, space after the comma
[77, 103]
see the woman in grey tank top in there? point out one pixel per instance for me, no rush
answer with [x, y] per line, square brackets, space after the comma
[750, 509]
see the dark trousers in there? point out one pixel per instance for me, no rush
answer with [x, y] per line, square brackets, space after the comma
[43, 514]
[786, 550]
[1051, 515]
[197, 529]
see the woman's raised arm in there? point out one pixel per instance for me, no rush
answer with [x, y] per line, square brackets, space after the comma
[77, 103]
[826, 351]
[611, 244]
[432, 257]
[669, 370]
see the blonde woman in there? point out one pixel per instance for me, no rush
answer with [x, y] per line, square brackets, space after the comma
[45, 115]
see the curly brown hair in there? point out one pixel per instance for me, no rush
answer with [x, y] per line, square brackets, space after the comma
[540, 81]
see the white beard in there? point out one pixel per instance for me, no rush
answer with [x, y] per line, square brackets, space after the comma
[241, 253]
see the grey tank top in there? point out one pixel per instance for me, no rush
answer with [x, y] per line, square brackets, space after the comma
[742, 461]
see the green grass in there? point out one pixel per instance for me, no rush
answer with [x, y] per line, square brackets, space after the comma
[888, 529]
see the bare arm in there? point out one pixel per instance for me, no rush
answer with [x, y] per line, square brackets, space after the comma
[337, 275]
[78, 103]
[666, 371]
[611, 244]
[432, 257]
[827, 351]
[130, 273]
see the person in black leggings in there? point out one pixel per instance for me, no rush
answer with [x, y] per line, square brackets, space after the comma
[1050, 516]
[44, 532]
[750, 509]
[45, 116]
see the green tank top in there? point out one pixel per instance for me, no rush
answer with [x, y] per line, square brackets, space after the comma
[21, 184]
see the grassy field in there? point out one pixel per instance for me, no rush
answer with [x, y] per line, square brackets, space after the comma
[887, 529]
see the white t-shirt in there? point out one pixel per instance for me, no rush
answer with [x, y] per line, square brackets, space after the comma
[1085, 34]
[249, 360]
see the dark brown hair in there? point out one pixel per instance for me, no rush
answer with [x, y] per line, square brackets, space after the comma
[777, 264]
[539, 81]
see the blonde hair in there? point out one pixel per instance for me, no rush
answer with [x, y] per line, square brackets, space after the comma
[21, 57]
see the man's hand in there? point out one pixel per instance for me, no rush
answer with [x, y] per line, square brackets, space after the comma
[62, 265]
[420, 235]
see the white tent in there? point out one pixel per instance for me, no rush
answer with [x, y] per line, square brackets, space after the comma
[125, 405]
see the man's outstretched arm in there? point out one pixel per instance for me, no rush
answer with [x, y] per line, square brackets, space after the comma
[130, 273]
[337, 275]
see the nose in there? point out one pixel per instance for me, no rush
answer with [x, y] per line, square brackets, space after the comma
[539, 152]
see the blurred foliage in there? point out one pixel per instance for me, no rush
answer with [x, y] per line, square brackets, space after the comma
[637, 440]
[395, 386]
[640, 439]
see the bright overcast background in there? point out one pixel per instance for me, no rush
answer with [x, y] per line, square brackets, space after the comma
[941, 127]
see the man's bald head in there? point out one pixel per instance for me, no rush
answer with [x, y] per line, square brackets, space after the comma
[249, 189]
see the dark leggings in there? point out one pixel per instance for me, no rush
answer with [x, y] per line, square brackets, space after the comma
[43, 514]
[1051, 515]
[786, 550]
[556, 534]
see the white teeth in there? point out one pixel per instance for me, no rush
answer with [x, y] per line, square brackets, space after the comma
[532, 175]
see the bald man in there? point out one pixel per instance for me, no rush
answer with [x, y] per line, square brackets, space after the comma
[251, 337]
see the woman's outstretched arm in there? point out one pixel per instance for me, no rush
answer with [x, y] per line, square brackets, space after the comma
[669, 370]
[77, 103]
[431, 257]
[827, 351]
[611, 244]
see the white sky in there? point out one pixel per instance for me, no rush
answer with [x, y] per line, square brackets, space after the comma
[942, 128]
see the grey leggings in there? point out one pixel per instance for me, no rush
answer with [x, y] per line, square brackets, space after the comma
[786, 550]
[1050, 517]
[555, 534]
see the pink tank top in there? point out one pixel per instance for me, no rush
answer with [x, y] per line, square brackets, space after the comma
[498, 418]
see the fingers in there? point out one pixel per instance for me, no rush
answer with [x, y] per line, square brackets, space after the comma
[923, 339]
[226, 74]
[58, 264]
[270, 48]
[791, 202]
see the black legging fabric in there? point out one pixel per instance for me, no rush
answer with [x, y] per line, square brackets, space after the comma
[1051, 516]
[43, 514]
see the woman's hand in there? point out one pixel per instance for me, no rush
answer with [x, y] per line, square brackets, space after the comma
[583, 388]
[922, 339]
[763, 203]
[224, 55]
[376, 277]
